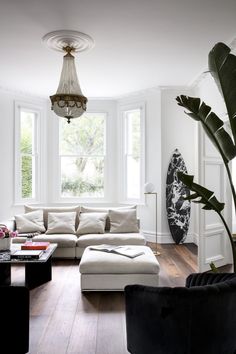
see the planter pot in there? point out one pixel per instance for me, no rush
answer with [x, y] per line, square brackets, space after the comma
[5, 244]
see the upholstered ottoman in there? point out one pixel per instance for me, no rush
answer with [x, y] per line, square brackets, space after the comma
[112, 272]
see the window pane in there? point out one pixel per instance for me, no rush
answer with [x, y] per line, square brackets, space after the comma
[26, 176]
[83, 136]
[82, 177]
[133, 132]
[26, 132]
[133, 177]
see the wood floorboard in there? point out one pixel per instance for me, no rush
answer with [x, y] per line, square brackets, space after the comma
[64, 321]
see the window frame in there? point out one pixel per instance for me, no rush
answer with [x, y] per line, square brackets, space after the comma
[123, 110]
[87, 199]
[37, 153]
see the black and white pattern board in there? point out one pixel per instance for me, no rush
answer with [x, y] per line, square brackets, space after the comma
[178, 209]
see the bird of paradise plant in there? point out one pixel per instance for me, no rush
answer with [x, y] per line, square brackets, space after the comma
[222, 66]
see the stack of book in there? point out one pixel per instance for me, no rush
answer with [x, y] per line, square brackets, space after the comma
[26, 254]
[28, 245]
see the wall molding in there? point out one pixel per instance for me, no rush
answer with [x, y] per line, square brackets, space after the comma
[19, 94]
[165, 237]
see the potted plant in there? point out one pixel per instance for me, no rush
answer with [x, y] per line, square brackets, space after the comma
[222, 66]
[5, 237]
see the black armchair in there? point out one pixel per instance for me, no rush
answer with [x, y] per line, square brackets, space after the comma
[197, 319]
[14, 319]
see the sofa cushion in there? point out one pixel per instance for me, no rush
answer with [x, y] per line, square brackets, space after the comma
[30, 222]
[91, 223]
[61, 223]
[97, 262]
[123, 221]
[111, 239]
[62, 240]
[46, 210]
[85, 209]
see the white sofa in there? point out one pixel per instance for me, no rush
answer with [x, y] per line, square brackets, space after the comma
[72, 245]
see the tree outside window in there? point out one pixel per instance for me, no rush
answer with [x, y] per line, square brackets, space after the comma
[27, 154]
[82, 156]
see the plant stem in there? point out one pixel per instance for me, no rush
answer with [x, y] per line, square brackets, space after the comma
[230, 239]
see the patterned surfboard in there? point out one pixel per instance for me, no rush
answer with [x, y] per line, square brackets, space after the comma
[178, 209]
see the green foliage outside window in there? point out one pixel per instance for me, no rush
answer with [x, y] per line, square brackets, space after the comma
[26, 145]
[82, 146]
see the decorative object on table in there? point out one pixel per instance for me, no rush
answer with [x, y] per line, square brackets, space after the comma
[30, 245]
[178, 209]
[5, 255]
[149, 189]
[5, 238]
[26, 254]
[68, 102]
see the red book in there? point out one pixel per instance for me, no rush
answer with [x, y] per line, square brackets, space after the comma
[28, 245]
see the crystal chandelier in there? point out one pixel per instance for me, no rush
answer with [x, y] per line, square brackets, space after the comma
[68, 102]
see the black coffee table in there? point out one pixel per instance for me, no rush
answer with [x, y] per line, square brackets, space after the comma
[37, 271]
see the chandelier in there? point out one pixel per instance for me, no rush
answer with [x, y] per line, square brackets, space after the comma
[68, 102]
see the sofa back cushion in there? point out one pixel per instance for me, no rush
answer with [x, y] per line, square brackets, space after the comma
[123, 221]
[30, 222]
[85, 209]
[91, 223]
[61, 223]
[46, 210]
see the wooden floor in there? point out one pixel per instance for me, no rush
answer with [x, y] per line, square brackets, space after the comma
[65, 321]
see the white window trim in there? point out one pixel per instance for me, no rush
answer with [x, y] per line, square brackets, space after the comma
[122, 146]
[57, 198]
[40, 146]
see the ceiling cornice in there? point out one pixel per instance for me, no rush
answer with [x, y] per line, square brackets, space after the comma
[200, 77]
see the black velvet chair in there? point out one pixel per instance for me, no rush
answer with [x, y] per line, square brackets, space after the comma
[197, 319]
[14, 319]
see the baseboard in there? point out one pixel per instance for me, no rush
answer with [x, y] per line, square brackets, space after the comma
[196, 239]
[166, 237]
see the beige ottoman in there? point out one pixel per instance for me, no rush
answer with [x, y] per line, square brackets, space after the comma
[111, 272]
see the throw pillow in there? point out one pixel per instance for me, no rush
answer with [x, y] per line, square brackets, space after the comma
[46, 210]
[123, 221]
[61, 223]
[30, 222]
[85, 209]
[91, 223]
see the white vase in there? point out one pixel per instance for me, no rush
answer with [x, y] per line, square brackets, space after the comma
[5, 244]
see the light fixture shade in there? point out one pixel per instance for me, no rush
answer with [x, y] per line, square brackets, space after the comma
[69, 102]
[149, 187]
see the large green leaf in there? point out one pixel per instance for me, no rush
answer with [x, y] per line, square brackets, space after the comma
[212, 124]
[201, 194]
[222, 66]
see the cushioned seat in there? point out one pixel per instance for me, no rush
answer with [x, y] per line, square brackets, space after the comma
[62, 240]
[111, 239]
[198, 318]
[108, 271]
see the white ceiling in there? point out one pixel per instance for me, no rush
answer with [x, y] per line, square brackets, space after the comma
[139, 44]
